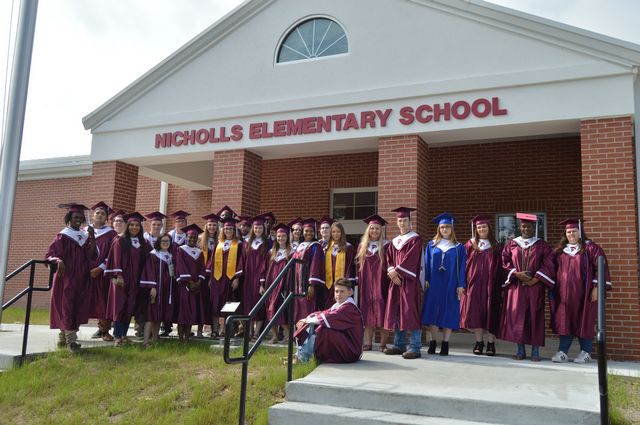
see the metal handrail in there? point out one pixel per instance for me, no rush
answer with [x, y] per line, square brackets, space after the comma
[601, 339]
[29, 290]
[248, 352]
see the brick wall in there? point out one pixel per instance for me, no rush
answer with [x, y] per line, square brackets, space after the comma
[302, 186]
[538, 175]
[610, 208]
[236, 181]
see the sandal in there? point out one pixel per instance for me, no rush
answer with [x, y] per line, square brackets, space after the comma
[478, 348]
[491, 349]
[367, 347]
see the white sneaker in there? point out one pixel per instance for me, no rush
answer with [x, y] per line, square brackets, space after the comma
[560, 357]
[583, 357]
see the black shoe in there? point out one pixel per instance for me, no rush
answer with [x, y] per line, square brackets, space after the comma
[478, 348]
[432, 347]
[491, 349]
[444, 348]
[411, 355]
[97, 334]
[165, 333]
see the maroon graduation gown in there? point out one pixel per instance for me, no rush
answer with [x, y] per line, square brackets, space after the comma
[121, 303]
[404, 254]
[274, 302]
[312, 253]
[572, 311]
[349, 273]
[373, 286]
[522, 319]
[339, 333]
[190, 267]
[255, 268]
[156, 275]
[220, 290]
[480, 304]
[69, 293]
[99, 286]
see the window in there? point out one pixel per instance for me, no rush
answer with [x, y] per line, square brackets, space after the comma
[354, 204]
[507, 227]
[312, 39]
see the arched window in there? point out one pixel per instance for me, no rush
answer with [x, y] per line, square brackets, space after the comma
[312, 39]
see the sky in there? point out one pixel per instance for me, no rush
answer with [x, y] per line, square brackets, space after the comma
[86, 51]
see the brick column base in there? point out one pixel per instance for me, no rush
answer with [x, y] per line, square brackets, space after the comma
[611, 219]
[402, 180]
[237, 180]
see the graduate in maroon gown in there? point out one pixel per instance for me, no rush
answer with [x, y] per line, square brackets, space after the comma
[225, 269]
[404, 257]
[191, 275]
[278, 257]
[324, 226]
[179, 238]
[244, 227]
[528, 263]
[255, 269]
[373, 283]
[311, 277]
[117, 221]
[158, 276]
[480, 304]
[125, 262]
[71, 251]
[574, 300]
[295, 227]
[207, 243]
[338, 261]
[156, 224]
[99, 285]
[338, 330]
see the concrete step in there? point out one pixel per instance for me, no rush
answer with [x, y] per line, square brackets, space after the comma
[289, 413]
[456, 387]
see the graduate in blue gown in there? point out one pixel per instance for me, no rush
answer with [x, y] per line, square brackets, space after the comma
[444, 261]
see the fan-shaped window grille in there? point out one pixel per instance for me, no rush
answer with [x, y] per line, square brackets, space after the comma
[313, 39]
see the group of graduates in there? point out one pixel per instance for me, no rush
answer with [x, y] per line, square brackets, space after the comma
[190, 275]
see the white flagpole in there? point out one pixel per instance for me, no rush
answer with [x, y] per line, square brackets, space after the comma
[12, 138]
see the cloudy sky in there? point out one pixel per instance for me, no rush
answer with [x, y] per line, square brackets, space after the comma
[86, 51]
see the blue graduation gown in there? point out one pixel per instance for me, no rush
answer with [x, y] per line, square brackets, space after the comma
[441, 306]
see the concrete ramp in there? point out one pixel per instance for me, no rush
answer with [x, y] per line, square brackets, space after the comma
[458, 389]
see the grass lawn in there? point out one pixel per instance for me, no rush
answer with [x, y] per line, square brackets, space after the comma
[15, 314]
[624, 400]
[167, 384]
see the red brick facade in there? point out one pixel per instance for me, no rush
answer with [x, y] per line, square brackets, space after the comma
[611, 214]
[591, 176]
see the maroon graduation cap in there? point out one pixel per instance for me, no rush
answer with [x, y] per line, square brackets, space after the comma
[74, 207]
[297, 220]
[573, 223]
[281, 228]
[375, 219]
[134, 216]
[326, 219]
[478, 219]
[268, 216]
[117, 213]
[211, 217]
[180, 214]
[226, 209]
[403, 212]
[192, 229]
[101, 205]
[156, 215]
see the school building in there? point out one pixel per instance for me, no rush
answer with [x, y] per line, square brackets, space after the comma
[343, 108]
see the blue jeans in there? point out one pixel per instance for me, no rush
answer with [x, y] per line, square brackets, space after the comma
[120, 329]
[566, 340]
[304, 352]
[535, 350]
[415, 340]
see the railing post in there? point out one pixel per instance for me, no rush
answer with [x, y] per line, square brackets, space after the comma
[290, 314]
[601, 340]
[27, 316]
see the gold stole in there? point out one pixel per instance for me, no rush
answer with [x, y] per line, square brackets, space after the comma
[232, 261]
[328, 265]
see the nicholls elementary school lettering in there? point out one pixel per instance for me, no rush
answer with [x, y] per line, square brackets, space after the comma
[408, 115]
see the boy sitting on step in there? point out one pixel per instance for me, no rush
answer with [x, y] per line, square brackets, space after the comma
[333, 335]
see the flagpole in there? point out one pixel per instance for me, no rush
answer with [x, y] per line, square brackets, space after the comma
[12, 137]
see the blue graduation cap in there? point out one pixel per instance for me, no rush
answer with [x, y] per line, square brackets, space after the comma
[444, 218]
